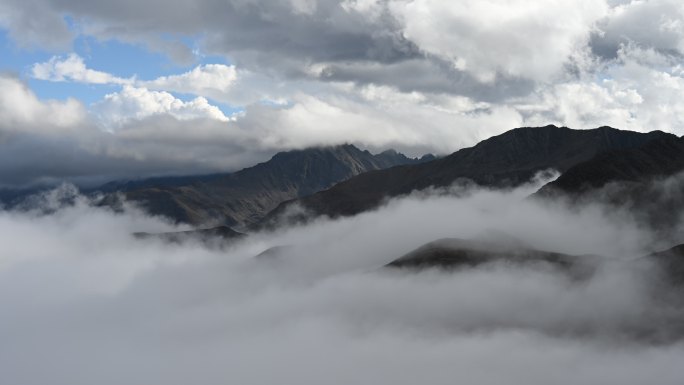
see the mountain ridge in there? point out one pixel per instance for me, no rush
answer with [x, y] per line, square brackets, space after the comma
[240, 198]
[508, 159]
[660, 157]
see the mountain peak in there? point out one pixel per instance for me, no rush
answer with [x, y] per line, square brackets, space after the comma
[242, 197]
[507, 159]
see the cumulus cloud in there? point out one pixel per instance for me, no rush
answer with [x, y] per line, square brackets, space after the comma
[488, 38]
[636, 92]
[213, 80]
[209, 80]
[139, 103]
[21, 110]
[382, 117]
[112, 309]
[218, 82]
[72, 68]
[656, 24]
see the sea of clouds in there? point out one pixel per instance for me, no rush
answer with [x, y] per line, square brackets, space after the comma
[83, 301]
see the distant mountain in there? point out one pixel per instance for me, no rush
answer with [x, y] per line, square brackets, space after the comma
[219, 236]
[504, 160]
[9, 197]
[243, 197]
[454, 253]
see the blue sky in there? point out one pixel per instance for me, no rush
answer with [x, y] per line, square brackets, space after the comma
[113, 56]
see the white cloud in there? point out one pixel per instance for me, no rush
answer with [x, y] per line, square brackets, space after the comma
[218, 82]
[513, 38]
[209, 80]
[335, 114]
[21, 110]
[640, 90]
[382, 118]
[325, 312]
[140, 103]
[72, 68]
[655, 24]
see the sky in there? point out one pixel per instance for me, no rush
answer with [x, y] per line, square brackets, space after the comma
[95, 91]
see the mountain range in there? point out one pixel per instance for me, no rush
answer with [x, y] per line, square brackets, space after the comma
[507, 160]
[603, 164]
[242, 198]
[344, 180]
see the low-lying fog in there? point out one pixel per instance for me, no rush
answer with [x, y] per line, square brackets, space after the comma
[82, 301]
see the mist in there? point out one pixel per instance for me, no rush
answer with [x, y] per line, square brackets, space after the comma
[83, 301]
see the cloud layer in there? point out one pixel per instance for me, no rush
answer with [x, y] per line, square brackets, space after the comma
[91, 304]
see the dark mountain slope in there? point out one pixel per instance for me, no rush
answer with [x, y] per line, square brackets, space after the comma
[646, 182]
[671, 262]
[658, 158]
[454, 253]
[245, 196]
[504, 160]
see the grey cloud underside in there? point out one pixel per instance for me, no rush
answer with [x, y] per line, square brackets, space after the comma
[330, 33]
[273, 37]
[27, 159]
[31, 23]
[427, 74]
[644, 24]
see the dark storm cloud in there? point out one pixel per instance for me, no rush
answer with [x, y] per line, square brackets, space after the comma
[323, 32]
[27, 160]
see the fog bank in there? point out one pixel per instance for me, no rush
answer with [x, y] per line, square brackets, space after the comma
[85, 302]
